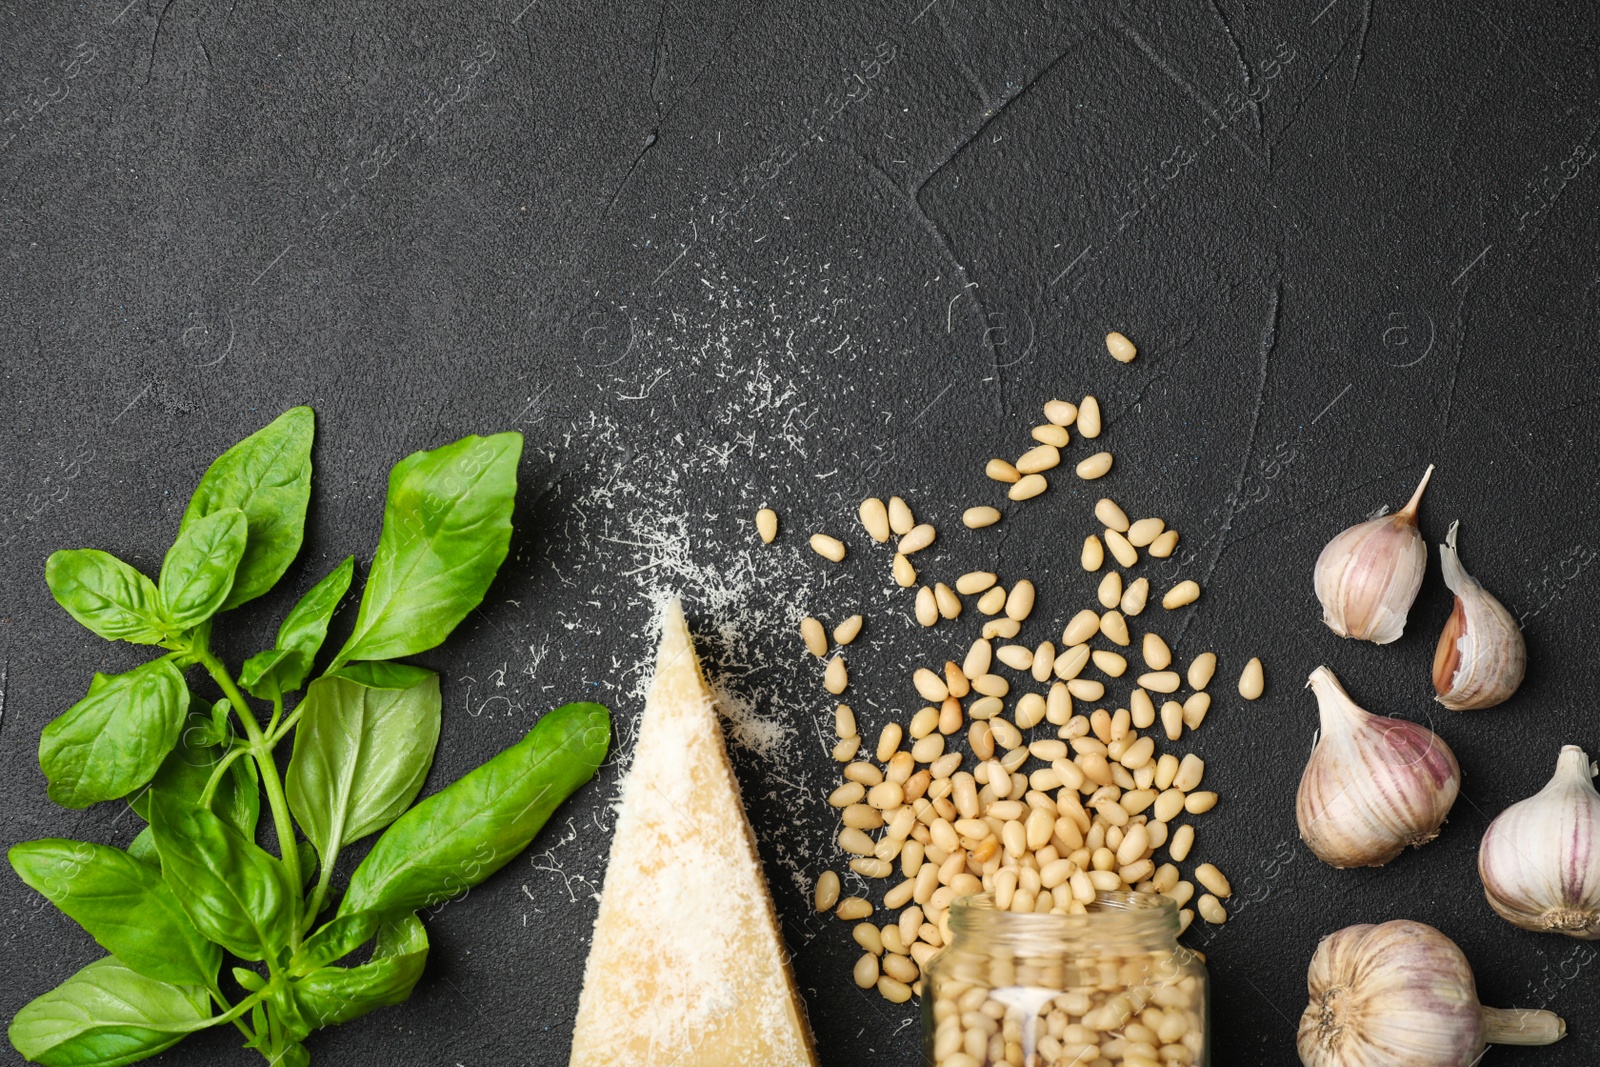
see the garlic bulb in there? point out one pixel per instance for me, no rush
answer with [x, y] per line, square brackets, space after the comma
[1368, 576]
[1373, 785]
[1401, 994]
[1481, 656]
[1540, 859]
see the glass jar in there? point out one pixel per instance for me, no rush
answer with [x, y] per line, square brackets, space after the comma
[1108, 988]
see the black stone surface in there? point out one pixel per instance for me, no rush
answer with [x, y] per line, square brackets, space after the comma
[709, 257]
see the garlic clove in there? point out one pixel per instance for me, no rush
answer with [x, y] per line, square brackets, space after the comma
[1368, 576]
[1373, 784]
[1481, 656]
[1401, 994]
[1540, 858]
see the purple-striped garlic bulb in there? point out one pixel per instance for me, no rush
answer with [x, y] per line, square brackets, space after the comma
[1401, 994]
[1540, 858]
[1373, 785]
[1368, 576]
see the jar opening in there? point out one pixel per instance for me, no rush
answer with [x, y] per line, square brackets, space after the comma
[1114, 918]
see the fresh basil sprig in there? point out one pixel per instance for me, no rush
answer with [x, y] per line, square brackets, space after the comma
[194, 886]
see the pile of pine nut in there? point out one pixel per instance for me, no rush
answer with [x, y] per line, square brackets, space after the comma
[1058, 796]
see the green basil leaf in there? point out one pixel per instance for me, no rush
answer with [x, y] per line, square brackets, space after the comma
[107, 1015]
[269, 675]
[459, 836]
[332, 995]
[360, 757]
[268, 477]
[123, 904]
[143, 848]
[235, 893]
[106, 595]
[334, 941]
[250, 981]
[382, 674]
[306, 626]
[112, 741]
[446, 529]
[308, 860]
[199, 567]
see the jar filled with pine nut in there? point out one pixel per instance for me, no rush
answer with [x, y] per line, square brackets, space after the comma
[1107, 988]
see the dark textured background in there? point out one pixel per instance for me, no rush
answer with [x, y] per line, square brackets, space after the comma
[712, 256]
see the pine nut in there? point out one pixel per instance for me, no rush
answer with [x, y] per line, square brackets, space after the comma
[836, 678]
[1252, 682]
[1110, 592]
[923, 723]
[851, 909]
[1086, 689]
[895, 992]
[1058, 705]
[1096, 466]
[848, 630]
[844, 721]
[1118, 545]
[986, 708]
[1070, 663]
[1093, 554]
[846, 749]
[1110, 515]
[871, 867]
[948, 603]
[1109, 663]
[1169, 805]
[1172, 719]
[1190, 770]
[855, 841]
[1160, 681]
[815, 637]
[1084, 625]
[1044, 658]
[1028, 487]
[1031, 708]
[1115, 627]
[974, 582]
[979, 658]
[1211, 909]
[929, 685]
[1143, 532]
[1061, 412]
[927, 608]
[1201, 668]
[1089, 417]
[826, 894]
[1050, 434]
[1208, 875]
[1199, 803]
[1195, 708]
[1019, 603]
[905, 575]
[827, 547]
[1017, 657]
[767, 525]
[1142, 709]
[993, 600]
[1001, 471]
[847, 794]
[875, 519]
[1182, 842]
[1122, 350]
[919, 538]
[979, 517]
[928, 748]
[1165, 544]
[991, 685]
[1039, 458]
[1157, 656]
[1185, 592]
[1135, 596]
[901, 520]
[1138, 754]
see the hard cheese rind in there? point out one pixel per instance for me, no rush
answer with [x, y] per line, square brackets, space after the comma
[688, 968]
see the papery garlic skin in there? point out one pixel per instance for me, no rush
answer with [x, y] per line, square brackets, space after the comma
[1373, 784]
[1368, 576]
[1540, 858]
[1481, 657]
[1401, 994]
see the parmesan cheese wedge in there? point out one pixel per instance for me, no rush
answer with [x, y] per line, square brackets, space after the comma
[687, 968]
